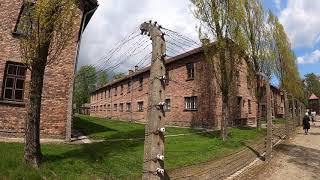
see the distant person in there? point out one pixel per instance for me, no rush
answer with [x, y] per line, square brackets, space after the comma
[306, 123]
[313, 117]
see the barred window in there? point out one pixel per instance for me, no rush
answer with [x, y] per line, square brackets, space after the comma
[24, 22]
[14, 78]
[190, 71]
[129, 86]
[191, 103]
[167, 106]
[140, 106]
[128, 107]
[141, 83]
[121, 107]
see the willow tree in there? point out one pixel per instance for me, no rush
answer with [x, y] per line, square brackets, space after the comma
[286, 69]
[47, 26]
[220, 21]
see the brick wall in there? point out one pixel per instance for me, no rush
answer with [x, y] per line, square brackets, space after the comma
[57, 80]
[203, 86]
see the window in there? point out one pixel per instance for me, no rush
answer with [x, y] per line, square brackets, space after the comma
[121, 89]
[140, 106]
[115, 107]
[105, 94]
[115, 91]
[14, 78]
[109, 94]
[101, 94]
[167, 77]
[249, 82]
[109, 107]
[190, 71]
[129, 86]
[24, 23]
[140, 83]
[128, 107]
[105, 107]
[238, 78]
[249, 106]
[121, 107]
[191, 103]
[100, 107]
[167, 106]
[239, 100]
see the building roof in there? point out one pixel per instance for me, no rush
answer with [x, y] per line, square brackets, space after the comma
[167, 61]
[313, 97]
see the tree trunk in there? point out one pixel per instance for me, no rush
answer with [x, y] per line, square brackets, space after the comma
[224, 119]
[286, 114]
[32, 150]
[259, 99]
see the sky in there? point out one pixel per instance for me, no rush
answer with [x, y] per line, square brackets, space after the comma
[116, 19]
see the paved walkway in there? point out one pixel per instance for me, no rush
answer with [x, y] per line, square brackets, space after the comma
[299, 159]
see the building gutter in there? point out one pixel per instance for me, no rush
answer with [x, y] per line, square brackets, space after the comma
[72, 87]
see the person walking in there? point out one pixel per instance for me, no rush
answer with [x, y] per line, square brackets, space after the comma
[306, 123]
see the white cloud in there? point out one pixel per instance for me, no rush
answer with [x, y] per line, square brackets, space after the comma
[302, 23]
[312, 58]
[116, 19]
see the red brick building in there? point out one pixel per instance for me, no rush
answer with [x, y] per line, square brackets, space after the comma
[14, 77]
[192, 96]
[277, 102]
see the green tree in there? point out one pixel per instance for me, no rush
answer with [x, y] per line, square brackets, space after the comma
[118, 75]
[47, 28]
[256, 39]
[286, 68]
[102, 79]
[85, 83]
[220, 20]
[312, 84]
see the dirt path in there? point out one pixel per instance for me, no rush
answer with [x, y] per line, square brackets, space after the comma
[297, 160]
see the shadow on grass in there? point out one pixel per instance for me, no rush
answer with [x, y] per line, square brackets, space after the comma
[246, 128]
[99, 151]
[89, 127]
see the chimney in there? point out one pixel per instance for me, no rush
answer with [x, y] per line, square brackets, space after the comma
[130, 72]
[136, 68]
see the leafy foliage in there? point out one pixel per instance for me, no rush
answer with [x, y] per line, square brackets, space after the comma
[118, 75]
[220, 21]
[102, 79]
[46, 29]
[285, 60]
[85, 83]
[312, 84]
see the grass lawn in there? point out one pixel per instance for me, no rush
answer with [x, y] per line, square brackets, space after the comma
[118, 159]
[279, 121]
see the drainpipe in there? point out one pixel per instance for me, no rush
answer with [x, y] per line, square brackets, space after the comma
[71, 90]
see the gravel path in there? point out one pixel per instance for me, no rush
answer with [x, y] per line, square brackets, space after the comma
[299, 159]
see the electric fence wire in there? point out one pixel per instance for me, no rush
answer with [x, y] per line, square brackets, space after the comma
[135, 50]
